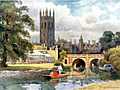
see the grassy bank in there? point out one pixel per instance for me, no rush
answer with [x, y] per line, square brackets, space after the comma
[111, 85]
[23, 67]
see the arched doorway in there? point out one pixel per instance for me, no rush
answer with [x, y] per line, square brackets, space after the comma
[94, 65]
[78, 65]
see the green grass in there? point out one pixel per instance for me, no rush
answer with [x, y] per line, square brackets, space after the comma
[67, 68]
[111, 85]
[23, 67]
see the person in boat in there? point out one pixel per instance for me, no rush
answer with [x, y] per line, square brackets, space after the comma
[60, 69]
[55, 72]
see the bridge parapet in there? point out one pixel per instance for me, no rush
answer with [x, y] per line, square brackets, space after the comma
[87, 58]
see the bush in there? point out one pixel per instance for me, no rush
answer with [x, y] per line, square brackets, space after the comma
[113, 57]
[58, 64]
[67, 68]
[104, 75]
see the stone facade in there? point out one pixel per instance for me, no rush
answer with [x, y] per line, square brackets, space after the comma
[47, 28]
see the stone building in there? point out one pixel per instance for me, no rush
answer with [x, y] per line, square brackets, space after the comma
[47, 28]
[89, 47]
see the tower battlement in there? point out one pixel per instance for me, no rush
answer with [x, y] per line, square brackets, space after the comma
[46, 12]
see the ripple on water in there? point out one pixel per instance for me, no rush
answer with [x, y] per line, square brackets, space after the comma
[32, 86]
[69, 84]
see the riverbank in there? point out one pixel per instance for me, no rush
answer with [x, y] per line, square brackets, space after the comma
[25, 67]
[110, 85]
[24, 75]
[27, 71]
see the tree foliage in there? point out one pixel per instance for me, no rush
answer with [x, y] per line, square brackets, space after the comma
[113, 57]
[107, 40]
[14, 41]
[110, 40]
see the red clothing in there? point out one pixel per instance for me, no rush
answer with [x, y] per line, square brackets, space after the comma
[54, 74]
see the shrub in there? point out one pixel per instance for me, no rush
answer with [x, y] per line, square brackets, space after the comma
[58, 64]
[104, 75]
[113, 57]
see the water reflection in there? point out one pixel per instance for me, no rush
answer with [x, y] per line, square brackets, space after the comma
[32, 86]
[14, 84]
[62, 84]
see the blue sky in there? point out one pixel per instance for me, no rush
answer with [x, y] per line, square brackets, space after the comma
[74, 5]
[75, 17]
[81, 7]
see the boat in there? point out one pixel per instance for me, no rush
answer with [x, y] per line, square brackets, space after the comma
[56, 76]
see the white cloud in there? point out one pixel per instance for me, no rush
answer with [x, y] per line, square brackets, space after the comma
[71, 27]
[113, 6]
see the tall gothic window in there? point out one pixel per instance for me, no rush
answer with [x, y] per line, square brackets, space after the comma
[45, 24]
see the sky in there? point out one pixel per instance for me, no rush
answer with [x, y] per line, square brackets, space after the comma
[73, 18]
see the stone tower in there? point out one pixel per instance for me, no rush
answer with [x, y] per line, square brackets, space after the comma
[81, 43]
[47, 28]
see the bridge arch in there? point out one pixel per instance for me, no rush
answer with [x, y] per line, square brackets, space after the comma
[87, 59]
[94, 64]
[79, 65]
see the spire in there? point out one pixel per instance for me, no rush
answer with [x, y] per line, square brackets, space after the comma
[81, 43]
[40, 13]
[43, 13]
[53, 13]
[81, 38]
[53, 16]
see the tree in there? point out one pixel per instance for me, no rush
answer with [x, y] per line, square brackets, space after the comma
[63, 54]
[117, 38]
[14, 42]
[113, 57]
[107, 40]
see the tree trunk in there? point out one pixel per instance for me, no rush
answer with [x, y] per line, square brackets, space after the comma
[4, 58]
[3, 63]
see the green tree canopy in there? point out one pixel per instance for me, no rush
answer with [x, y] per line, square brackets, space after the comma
[14, 43]
[109, 40]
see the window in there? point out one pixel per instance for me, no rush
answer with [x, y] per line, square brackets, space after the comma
[65, 61]
[45, 24]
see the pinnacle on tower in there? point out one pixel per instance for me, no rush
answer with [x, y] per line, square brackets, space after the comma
[81, 43]
[40, 13]
[81, 38]
[43, 13]
[53, 13]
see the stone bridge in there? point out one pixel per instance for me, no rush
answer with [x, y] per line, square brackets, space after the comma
[83, 60]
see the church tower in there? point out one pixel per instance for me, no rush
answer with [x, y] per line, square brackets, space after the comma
[81, 43]
[47, 28]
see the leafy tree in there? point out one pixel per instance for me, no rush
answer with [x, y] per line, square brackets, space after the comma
[13, 37]
[113, 57]
[107, 40]
[117, 38]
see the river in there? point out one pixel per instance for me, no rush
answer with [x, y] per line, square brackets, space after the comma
[69, 83]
